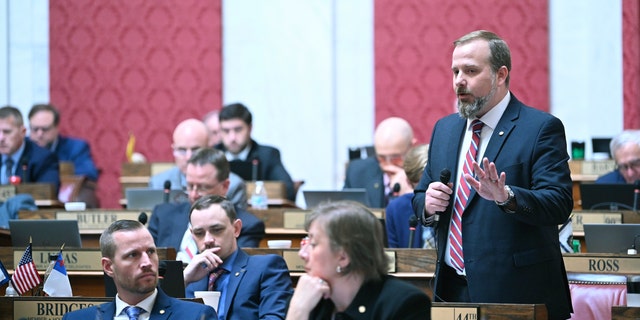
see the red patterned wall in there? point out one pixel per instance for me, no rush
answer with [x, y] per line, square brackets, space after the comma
[413, 46]
[125, 66]
[631, 63]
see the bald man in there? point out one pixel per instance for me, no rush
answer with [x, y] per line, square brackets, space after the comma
[189, 136]
[378, 175]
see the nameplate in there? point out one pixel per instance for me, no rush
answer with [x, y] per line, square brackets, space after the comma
[294, 219]
[598, 167]
[602, 264]
[580, 218]
[293, 260]
[97, 220]
[454, 313]
[392, 260]
[6, 192]
[45, 309]
[74, 260]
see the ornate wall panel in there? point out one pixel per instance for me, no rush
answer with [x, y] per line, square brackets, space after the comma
[132, 66]
[413, 45]
[631, 62]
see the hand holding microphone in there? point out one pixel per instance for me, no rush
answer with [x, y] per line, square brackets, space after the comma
[445, 176]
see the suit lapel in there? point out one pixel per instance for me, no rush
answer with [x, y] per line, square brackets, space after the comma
[238, 271]
[107, 310]
[161, 307]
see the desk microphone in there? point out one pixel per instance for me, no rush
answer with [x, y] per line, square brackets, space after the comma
[167, 191]
[413, 223]
[636, 194]
[254, 169]
[142, 217]
[445, 176]
[24, 163]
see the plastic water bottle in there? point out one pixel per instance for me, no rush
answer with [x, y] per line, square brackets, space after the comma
[259, 198]
[10, 291]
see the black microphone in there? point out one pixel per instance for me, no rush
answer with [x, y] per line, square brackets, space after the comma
[142, 217]
[413, 223]
[167, 191]
[394, 191]
[24, 163]
[254, 169]
[636, 194]
[445, 176]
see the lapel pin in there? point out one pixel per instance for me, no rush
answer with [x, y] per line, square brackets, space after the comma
[501, 133]
[362, 309]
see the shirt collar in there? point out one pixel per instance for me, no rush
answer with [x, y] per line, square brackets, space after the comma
[227, 264]
[146, 304]
[242, 155]
[16, 155]
[492, 117]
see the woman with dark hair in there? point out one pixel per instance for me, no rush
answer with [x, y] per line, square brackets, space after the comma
[347, 270]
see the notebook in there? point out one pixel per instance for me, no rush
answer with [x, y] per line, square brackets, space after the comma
[611, 238]
[45, 233]
[599, 196]
[146, 198]
[313, 197]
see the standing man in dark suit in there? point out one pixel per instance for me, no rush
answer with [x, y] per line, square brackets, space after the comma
[43, 123]
[497, 231]
[235, 129]
[207, 174]
[129, 256]
[380, 174]
[250, 286]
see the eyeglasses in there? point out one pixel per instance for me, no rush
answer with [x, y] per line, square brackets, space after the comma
[43, 129]
[396, 159]
[182, 151]
[633, 164]
[201, 188]
[304, 242]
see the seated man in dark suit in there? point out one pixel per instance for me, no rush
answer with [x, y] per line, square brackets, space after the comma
[207, 174]
[22, 160]
[250, 286]
[625, 151]
[43, 122]
[189, 136]
[129, 256]
[235, 128]
[380, 174]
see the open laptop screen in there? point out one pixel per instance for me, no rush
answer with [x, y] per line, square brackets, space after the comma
[600, 196]
[45, 233]
[313, 197]
[611, 238]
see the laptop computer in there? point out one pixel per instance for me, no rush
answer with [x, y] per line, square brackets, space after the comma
[607, 196]
[147, 198]
[171, 279]
[45, 233]
[611, 238]
[313, 197]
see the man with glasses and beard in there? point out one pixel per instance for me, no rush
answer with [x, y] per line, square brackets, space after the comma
[625, 151]
[497, 220]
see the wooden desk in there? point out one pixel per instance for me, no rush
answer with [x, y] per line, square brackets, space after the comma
[488, 311]
[625, 313]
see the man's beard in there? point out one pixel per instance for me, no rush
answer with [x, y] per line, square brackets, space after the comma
[470, 110]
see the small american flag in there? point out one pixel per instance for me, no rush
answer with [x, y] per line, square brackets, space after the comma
[26, 276]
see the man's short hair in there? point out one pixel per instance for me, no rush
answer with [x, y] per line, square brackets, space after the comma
[236, 111]
[206, 201]
[213, 157]
[107, 244]
[45, 107]
[10, 111]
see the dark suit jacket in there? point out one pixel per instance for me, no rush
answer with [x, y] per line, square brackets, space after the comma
[366, 173]
[165, 307]
[397, 216]
[78, 152]
[510, 257]
[38, 164]
[611, 177]
[390, 298]
[270, 167]
[169, 221]
[259, 287]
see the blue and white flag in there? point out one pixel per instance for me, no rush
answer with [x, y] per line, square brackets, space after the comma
[4, 275]
[57, 283]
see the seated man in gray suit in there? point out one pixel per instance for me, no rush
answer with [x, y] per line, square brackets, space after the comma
[191, 135]
[379, 175]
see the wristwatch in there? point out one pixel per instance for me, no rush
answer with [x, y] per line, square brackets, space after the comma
[510, 197]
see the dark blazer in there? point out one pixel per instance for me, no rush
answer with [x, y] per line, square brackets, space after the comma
[390, 298]
[77, 151]
[169, 221]
[611, 177]
[270, 167]
[38, 164]
[165, 307]
[397, 216]
[259, 287]
[366, 173]
[510, 257]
